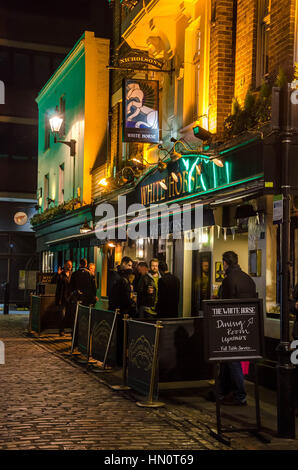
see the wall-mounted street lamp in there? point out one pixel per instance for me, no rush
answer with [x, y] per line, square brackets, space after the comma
[56, 122]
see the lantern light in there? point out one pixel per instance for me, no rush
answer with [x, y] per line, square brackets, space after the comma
[103, 182]
[56, 123]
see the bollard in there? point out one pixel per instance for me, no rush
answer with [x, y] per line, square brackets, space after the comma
[150, 403]
[124, 385]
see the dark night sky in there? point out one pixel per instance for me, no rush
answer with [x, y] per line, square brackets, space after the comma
[94, 15]
[25, 70]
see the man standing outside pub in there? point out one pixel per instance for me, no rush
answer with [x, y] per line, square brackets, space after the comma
[148, 291]
[236, 285]
[63, 293]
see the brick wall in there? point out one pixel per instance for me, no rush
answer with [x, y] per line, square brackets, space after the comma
[221, 63]
[281, 41]
[246, 41]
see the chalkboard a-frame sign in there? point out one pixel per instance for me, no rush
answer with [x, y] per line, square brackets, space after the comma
[233, 329]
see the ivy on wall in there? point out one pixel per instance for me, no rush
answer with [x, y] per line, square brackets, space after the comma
[55, 211]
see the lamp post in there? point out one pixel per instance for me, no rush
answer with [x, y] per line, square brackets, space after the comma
[285, 370]
[55, 123]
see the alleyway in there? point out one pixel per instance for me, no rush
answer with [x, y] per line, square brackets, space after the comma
[49, 402]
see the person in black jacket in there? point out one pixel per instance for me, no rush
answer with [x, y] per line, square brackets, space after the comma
[236, 285]
[168, 293]
[63, 293]
[121, 298]
[141, 269]
[122, 294]
[81, 285]
[92, 270]
[120, 288]
[147, 294]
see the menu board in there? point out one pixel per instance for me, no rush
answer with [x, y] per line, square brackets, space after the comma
[233, 329]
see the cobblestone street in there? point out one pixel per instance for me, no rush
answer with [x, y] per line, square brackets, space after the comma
[49, 403]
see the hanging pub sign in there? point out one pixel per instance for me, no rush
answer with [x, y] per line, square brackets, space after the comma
[141, 111]
[139, 60]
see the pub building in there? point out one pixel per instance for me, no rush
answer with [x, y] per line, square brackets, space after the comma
[238, 215]
[192, 87]
[201, 90]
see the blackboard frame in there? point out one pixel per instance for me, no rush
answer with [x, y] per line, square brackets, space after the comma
[238, 356]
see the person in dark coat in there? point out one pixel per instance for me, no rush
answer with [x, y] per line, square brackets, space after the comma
[63, 294]
[148, 292]
[120, 288]
[81, 285]
[121, 298]
[236, 285]
[141, 269]
[122, 291]
[92, 270]
[168, 293]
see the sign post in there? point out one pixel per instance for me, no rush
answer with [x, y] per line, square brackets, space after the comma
[234, 332]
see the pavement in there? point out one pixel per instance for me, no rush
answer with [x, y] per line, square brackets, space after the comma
[50, 401]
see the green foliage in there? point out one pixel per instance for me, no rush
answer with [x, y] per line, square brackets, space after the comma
[235, 106]
[255, 112]
[281, 78]
[55, 211]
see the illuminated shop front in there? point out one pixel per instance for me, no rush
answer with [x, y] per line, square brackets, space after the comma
[232, 183]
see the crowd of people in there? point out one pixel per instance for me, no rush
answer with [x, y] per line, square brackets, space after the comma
[144, 291]
[135, 289]
[73, 287]
[152, 292]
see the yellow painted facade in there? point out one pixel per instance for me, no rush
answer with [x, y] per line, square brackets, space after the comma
[179, 34]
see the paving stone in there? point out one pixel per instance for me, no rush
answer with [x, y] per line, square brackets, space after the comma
[48, 401]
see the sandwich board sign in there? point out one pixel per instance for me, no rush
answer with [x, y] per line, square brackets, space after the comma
[233, 330]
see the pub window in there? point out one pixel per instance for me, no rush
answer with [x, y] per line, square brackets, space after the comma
[262, 65]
